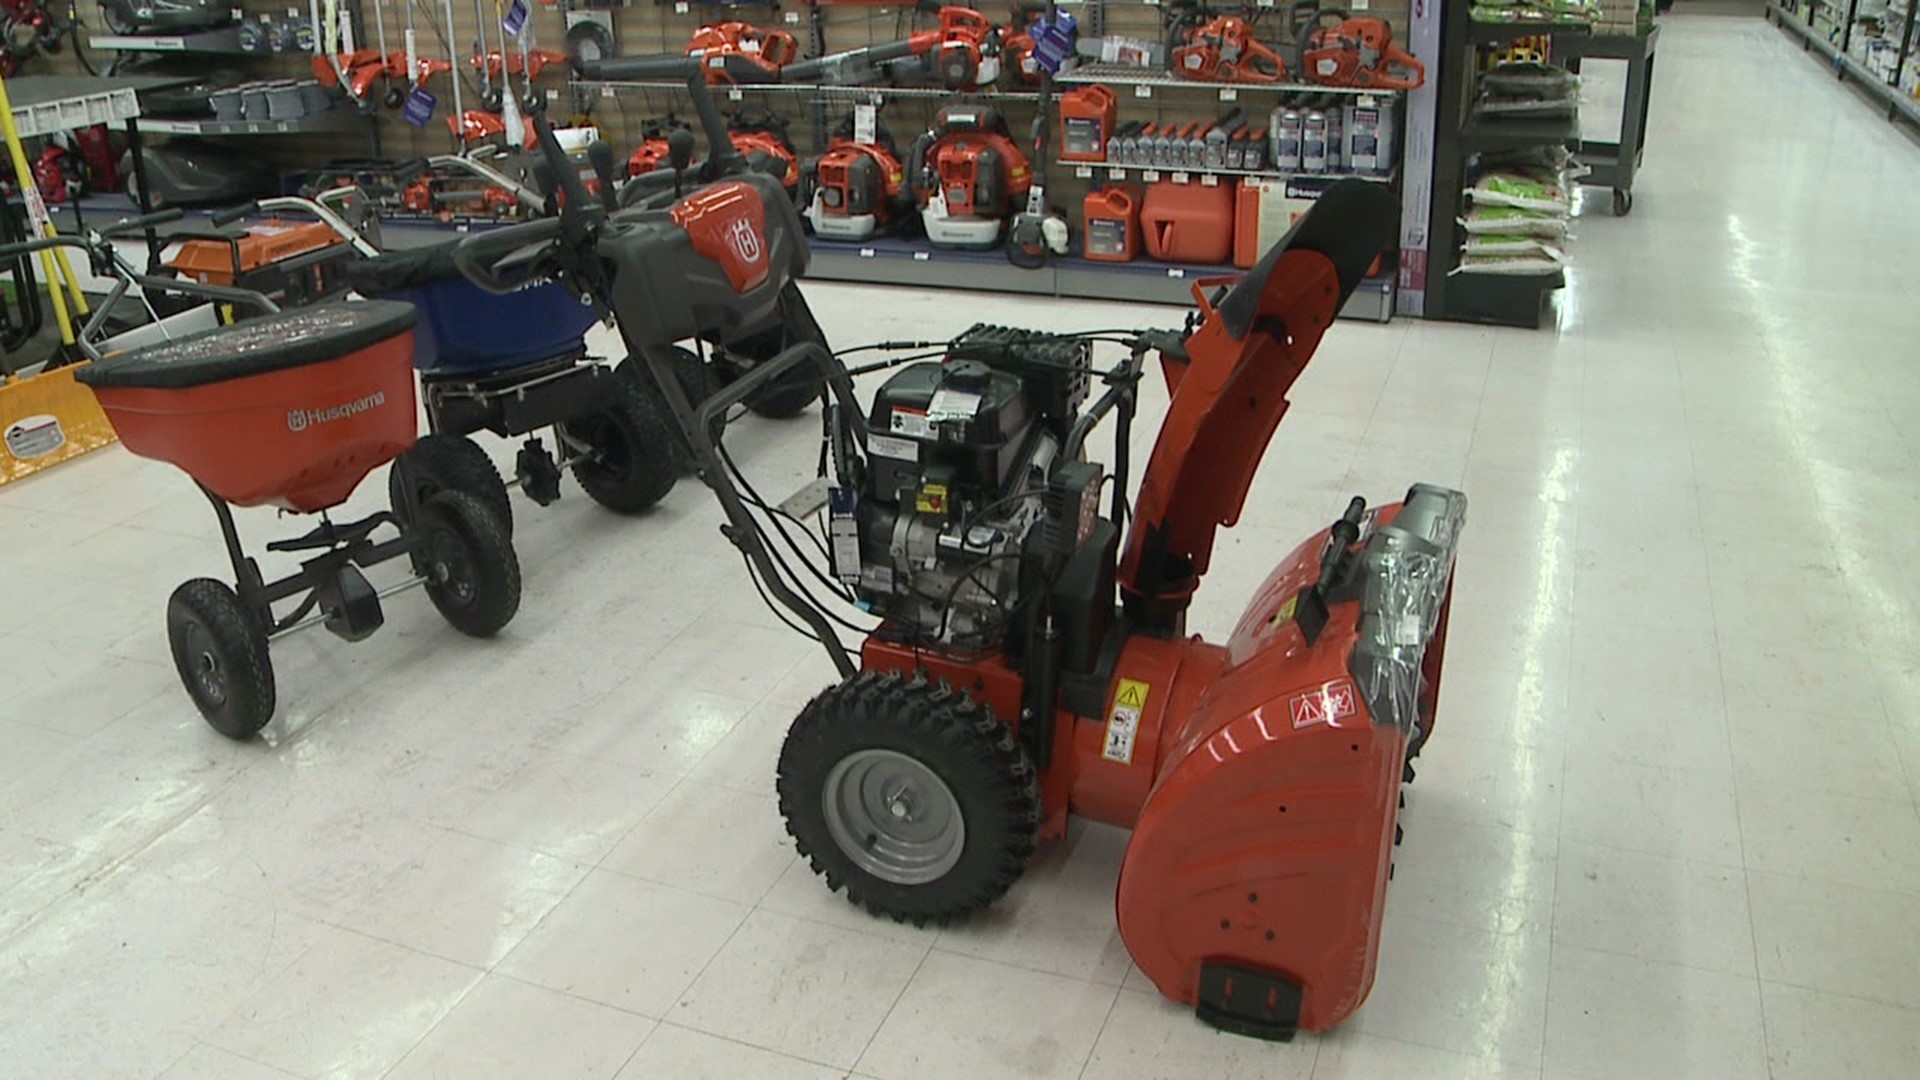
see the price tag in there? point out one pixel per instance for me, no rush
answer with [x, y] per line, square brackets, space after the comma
[1181, 178]
[793, 18]
[237, 14]
[1228, 93]
[1267, 3]
[1209, 180]
[554, 95]
[866, 253]
[1176, 272]
[1368, 101]
[1151, 176]
[463, 226]
[1143, 90]
[922, 256]
[606, 92]
[1084, 172]
[736, 95]
[1359, 5]
[866, 122]
[681, 8]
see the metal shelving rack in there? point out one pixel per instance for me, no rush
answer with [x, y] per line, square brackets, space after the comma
[1801, 20]
[893, 261]
[1491, 298]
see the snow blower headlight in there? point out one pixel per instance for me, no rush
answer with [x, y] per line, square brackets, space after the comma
[1405, 567]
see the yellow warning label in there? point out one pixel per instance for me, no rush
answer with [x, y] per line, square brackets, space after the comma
[931, 499]
[1123, 722]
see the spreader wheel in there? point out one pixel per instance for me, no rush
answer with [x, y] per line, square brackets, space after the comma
[473, 576]
[220, 651]
[633, 453]
[450, 463]
[909, 795]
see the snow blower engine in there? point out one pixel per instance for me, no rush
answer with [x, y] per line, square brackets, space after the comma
[969, 177]
[1025, 655]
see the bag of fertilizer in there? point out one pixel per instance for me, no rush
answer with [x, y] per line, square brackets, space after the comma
[1508, 188]
[1510, 246]
[1546, 261]
[1513, 221]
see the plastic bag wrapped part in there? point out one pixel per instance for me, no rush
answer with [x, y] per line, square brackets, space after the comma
[1405, 567]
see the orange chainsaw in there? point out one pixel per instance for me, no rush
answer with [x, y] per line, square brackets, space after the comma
[1338, 49]
[1223, 49]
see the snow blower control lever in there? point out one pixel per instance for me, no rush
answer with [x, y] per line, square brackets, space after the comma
[1022, 658]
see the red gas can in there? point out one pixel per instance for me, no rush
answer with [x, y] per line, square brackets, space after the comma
[1113, 224]
[1188, 223]
[1086, 122]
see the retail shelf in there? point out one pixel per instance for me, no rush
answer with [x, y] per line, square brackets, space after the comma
[1123, 75]
[880, 262]
[1489, 33]
[1150, 173]
[225, 42]
[340, 119]
[1897, 104]
[1486, 133]
[44, 104]
[739, 92]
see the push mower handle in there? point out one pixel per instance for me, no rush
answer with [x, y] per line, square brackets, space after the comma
[141, 222]
[480, 256]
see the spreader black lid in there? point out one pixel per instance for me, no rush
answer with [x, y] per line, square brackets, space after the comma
[285, 339]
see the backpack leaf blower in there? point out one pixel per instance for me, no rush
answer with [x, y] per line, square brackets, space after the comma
[968, 177]
[1358, 51]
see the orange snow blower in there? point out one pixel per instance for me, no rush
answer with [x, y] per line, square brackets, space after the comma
[1026, 658]
[1355, 50]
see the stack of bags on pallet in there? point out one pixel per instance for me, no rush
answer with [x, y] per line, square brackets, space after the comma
[1518, 210]
[1548, 13]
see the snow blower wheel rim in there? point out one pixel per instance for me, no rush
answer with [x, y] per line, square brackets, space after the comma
[893, 817]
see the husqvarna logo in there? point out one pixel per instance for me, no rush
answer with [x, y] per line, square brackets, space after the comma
[743, 240]
[301, 419]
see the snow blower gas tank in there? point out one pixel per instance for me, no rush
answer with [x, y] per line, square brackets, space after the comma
[714, 262]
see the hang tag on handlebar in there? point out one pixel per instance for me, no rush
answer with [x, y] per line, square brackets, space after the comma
[516, 18]
[419, 107]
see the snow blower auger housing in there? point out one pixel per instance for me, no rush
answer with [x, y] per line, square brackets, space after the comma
[1030, 659]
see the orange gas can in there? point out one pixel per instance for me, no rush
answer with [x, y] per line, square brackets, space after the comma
[1086, 122]
[1113, 224]
[1246, 224]
[1188, 223]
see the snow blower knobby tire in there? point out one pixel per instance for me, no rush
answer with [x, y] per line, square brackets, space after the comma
[910, 796]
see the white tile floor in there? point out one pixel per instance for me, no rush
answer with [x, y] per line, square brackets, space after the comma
[1668, 828]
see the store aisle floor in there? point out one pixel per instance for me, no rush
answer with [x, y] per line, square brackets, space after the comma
[1666, 827]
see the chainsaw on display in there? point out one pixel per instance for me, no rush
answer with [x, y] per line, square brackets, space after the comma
[1023, 654]
[1220, 48]
[1354, 51]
